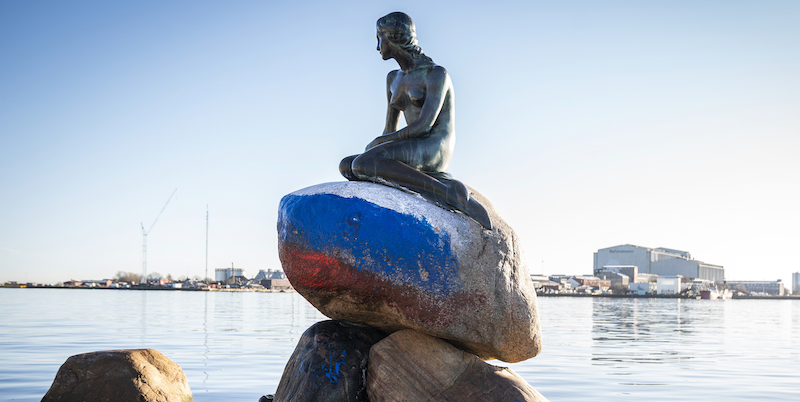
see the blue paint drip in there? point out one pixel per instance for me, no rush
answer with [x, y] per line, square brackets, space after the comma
[395, 246]
[330, 377]
[332, 370]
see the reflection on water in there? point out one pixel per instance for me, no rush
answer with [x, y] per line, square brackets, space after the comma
[667, 349]
[206, 350]
[636, 330]
[233, 346]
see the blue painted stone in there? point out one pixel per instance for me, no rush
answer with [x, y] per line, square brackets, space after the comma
[372, 254]
[328, 364]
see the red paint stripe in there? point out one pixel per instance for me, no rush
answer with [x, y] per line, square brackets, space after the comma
[319, 277]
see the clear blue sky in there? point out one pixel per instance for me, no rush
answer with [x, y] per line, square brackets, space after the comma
[587, 123]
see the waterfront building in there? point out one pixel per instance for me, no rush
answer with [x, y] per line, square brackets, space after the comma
[539, 280]
[102, 283]
[657, 261]
[669, 285]
[643, 288]
[589, 281]
[560, 278]
[631, 271]
[543, 283]
[615, 278]
[796, 283]
[269, 274]
[276, 284]
[156, 281]
[774, 288]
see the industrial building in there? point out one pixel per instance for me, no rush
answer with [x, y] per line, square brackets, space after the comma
[774, 288]
[657, 261]
[228, 274]
[796, 283]
[269, 274]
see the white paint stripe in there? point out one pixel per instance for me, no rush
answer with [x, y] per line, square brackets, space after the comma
[458, 226]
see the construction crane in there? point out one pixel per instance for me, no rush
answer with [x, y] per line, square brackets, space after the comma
[144, 238]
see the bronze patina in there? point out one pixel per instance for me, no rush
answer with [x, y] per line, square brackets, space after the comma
[415, 157]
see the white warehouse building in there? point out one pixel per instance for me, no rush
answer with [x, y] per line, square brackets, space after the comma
[658, 261]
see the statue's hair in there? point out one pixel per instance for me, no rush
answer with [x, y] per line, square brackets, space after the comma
[399, 29]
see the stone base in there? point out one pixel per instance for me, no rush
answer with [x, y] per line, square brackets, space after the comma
[411, 366]
[134, 375]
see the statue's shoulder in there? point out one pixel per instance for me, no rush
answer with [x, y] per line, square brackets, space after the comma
[391, 76]
[438, 74]
[438, 70]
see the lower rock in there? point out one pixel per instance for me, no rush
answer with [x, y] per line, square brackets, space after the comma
[411, 366]
[328, 363]
[134, 375]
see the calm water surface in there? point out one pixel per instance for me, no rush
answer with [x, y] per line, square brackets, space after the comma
[233, 346]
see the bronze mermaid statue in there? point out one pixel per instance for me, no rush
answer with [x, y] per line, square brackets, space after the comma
[415, 157]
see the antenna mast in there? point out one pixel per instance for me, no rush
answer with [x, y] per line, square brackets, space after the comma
[206, 277]
[144, 238]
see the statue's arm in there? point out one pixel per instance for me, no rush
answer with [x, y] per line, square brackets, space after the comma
[392, 114]
[437, 84]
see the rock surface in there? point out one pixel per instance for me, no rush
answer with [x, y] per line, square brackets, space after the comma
[411, 366]
[375, 255]
[328, 364]
[134, 375]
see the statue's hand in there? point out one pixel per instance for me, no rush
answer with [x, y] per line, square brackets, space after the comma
[378, 141]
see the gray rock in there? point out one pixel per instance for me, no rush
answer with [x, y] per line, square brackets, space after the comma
[411, 366]
[134, 375]
[328, 364]
[375, 255]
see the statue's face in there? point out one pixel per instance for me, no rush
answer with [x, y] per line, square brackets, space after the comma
[384, 46]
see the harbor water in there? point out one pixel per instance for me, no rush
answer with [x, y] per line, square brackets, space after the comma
[233, 345]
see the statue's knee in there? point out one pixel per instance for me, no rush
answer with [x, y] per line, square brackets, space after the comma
[346, 168]
[363, 168]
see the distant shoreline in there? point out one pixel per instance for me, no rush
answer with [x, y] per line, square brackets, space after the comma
[613, 296]
[604, 295]
[159, 288]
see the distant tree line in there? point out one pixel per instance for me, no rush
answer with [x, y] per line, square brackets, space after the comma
[123, 276]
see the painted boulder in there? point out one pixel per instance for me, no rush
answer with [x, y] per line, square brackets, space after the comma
[375, 255]
[328, 364]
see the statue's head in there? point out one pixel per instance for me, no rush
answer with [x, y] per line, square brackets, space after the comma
[399, 29]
